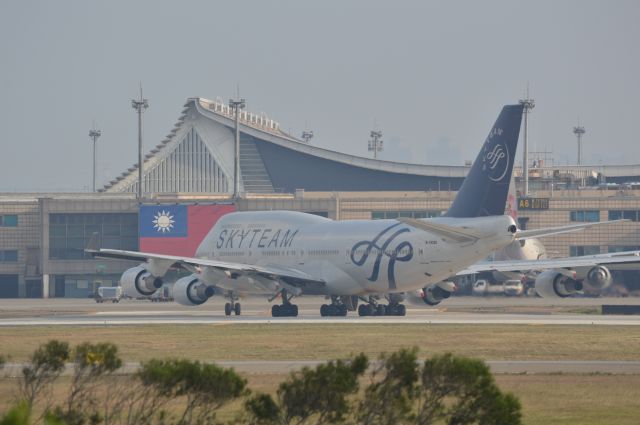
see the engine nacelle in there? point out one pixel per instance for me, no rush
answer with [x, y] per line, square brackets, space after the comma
[433, 294]
[137, 281]
[552, 284]
[599, 277]
[191, 291]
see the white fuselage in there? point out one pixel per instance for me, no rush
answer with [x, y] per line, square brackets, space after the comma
[527, 249]
[352, 257]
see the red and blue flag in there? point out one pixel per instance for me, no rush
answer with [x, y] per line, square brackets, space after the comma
[177, 229]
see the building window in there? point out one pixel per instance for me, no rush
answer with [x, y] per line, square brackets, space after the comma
[621, 248]
[69, 234]
[623, 214]
[576, 251]
[8, 220]
[378, 215]
[585, 215]
[9, 255]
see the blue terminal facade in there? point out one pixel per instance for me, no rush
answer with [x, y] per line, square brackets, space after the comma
[290, 170]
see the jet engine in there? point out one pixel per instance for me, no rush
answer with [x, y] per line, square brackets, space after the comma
[191, 291]
[137, 281]
[599, 277]
[552, 283]
[435, 293]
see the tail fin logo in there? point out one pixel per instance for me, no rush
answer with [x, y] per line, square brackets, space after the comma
[496, 160]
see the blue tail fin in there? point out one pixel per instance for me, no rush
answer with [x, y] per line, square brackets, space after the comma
[484, 190]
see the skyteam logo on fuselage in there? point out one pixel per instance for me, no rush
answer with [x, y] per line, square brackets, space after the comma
[402, 252]
[495, 162]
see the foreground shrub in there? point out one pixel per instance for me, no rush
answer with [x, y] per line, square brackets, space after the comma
[445, 389]
[205, 387]
[321, 392]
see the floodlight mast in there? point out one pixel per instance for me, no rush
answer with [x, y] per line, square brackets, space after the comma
[375, 143]
[528, 104]
[94, 134]
[235, 106]
[140, 105]
[579, 132]
[307, 136]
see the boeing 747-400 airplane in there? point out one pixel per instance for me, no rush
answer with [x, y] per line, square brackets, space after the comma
[290, 253]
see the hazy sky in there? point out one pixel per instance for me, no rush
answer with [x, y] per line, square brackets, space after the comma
[432, 75]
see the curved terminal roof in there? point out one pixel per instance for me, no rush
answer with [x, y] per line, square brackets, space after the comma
[197, 156]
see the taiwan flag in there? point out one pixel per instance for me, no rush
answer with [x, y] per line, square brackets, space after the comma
[177, 229]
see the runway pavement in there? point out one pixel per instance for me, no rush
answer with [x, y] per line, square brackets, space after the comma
[255, 310]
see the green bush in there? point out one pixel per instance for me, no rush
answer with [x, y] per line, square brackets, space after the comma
[445, 389]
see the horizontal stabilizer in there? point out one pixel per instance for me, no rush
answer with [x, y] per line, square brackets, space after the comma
[457, 234]
[537, 233]
[94, 243]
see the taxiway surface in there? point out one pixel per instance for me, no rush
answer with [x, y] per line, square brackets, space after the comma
[255, 310]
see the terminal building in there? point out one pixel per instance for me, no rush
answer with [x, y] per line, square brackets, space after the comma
[43, 235]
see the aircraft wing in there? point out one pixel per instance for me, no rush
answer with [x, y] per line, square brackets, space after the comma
[290, 276]
[615, 260]
[537, 233]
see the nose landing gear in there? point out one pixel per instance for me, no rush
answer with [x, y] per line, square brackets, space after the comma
[232, 306]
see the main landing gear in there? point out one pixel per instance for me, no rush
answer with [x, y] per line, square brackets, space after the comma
[336, 308]
[372, 308]
[232, 306]
[286, 309]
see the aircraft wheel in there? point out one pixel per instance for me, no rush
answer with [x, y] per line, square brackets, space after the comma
[324, 310]
[275, 311]
[362, 311]
[342, 310]
[293, 310]
[381, 310]
[227, 309]
[237, 309]
[401, 310]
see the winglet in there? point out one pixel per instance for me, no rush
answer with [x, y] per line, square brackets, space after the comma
[94, 243]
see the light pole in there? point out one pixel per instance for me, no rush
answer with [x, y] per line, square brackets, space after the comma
[579, 132]
[376, 143]
[94, 134]
[236, 105]
[307, 136]
[140, 105]
[528, 104]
